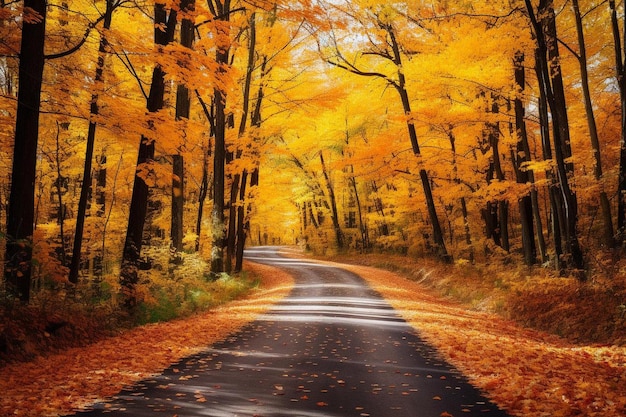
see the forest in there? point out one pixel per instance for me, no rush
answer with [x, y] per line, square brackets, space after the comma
[145, 144]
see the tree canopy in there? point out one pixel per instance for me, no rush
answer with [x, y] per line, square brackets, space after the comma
[457, 130]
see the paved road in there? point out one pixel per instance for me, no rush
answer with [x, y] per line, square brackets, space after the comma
[332, 348]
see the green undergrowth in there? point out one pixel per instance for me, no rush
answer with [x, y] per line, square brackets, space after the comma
[60, 316]
[593, 311]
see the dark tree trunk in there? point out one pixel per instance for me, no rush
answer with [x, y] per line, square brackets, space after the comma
[61, 185]
[231, 236]
[178, 201]
[333, 204]
[139, 201]
[457, 180]
[204, 183]
[605, 207]
[242, 224]
[362, 229]
[497, 212]
[21, 213]
[245, 207]
[620, 73]
[553, 194]
[101, 183]
[183, 103]
[383, 227]
[221, 11]
[520, 157]
[219, 155]
[238, 182]
[406, 104]
[85, 188]
[552, 83]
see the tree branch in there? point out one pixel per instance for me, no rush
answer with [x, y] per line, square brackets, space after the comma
[76, 47]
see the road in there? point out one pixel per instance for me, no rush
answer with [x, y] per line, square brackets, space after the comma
[334, 347]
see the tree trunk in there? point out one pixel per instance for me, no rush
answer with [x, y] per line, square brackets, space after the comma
[178, 201]
[497, 212]
[605, 207]
[362, 228]
[553, 194]
[221, 11]
[520, 157]
[101, 183]
[61, 185]
[333, 205]
[548, 60]
[238, 181]
[457, 180]
[204, 183]
[21, 213]
[242, 224]
[91, 139]
[245, 207]
[183, 103]
[406, 104]
[620, 67]
[139, 200]
[561, 137]
[219, 155]
[383, 227]
[231, 236]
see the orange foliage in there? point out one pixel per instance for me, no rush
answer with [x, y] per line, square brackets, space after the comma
[63, 382]
[527, 372]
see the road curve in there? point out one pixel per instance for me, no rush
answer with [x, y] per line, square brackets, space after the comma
[333, 347]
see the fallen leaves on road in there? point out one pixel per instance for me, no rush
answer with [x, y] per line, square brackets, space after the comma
[528, 373]
[61, 383]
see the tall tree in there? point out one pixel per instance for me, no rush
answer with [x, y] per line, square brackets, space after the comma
[94, 110]
[163, 35]
[581, 56]
[496, 213]
[619, 43]
[544, 27]
[520, 157]
[391, 52]
[221, 11]
[183, 103]
[237, 188]
[20, 218]
[330, 189]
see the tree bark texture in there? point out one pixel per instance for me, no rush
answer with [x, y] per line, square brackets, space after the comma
[21, 212]
[552, 84]
[129, 273]
[183, 103]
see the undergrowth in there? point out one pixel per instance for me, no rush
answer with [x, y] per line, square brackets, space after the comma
[60, 316]
[593, 311]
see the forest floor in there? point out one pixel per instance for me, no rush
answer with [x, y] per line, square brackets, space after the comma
[528, 372]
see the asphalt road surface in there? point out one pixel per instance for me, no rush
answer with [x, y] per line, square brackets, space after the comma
[334, 347]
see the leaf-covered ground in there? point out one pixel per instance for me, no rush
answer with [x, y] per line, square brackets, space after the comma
[60, 383]
[527, 372]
